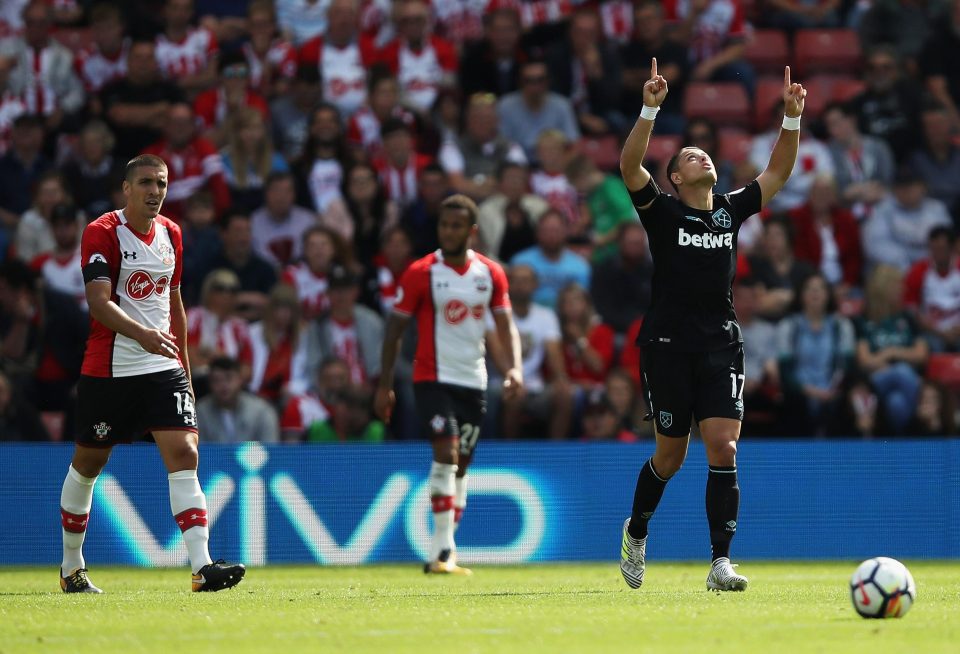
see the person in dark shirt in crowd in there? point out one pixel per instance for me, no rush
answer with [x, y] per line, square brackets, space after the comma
[201, 244]
[776, 268]
[256, 276]
[620, 287]
[19, 421]
[420, 218]
[20, 168]
[94, 172]
[492, 65]
[889, 107]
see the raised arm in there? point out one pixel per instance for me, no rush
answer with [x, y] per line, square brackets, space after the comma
[635, 176]
[784, 155]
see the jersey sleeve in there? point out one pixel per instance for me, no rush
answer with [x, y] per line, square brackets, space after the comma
[645, 196]
[99, 253]
[413, 288]
[176, 239]
[500, 298]
[746, 202]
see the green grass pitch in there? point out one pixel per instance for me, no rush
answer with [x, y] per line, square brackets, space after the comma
[790, 608]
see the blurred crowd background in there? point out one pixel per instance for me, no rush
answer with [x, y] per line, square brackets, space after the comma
[310, 142]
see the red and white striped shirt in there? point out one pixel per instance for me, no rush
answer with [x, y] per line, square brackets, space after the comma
[188, 56]
[301, 412]
[721, 22]
[196, 166]
[63, 273]
[559, 193]
[450, 305]
[210, 106]
[422, 72]
[363, 129]
[229, 337]
[401, 183]
[142, 270]
[280, 62]
[343, 71]
[936, 296]
[96, 69]
[311, 289]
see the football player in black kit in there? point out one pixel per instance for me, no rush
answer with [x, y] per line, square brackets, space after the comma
[692, 350]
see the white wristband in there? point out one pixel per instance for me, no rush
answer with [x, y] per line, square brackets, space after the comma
[791, 122]
[649, 113]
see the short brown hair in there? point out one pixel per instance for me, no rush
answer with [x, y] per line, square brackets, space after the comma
[460, 202]
[143, 161]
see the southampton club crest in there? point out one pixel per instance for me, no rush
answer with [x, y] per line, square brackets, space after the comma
[437, 423]
[666, 419]
[722, 219]
[102, 430]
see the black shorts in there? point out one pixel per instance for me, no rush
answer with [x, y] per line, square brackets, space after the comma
[449, 411]
[685, 385]
[116, 410]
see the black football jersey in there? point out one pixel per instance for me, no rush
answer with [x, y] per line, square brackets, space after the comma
[694, 264]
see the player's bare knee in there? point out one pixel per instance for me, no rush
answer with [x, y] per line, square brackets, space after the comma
[90, 461]
[445, 451]
[723, 452]
[668, 463]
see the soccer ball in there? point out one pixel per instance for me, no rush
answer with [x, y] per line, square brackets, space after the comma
[882, 588]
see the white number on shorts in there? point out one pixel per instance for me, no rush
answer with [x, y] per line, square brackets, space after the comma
[734, 377]
[468, 437]
[184, 402]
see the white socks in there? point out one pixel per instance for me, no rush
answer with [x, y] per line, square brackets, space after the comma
[442, 491]
[76, 499]
[459, 500]
[189, 506]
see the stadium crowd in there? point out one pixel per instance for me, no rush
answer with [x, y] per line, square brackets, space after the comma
[310, 142]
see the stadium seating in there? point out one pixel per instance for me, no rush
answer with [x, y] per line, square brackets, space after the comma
[944, 369]
[768, 51]
[603, 151]
[826, 51]
[725, 103]
[735, 145]
[662, 147]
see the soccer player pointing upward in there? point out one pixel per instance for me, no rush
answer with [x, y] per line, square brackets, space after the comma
[691, 344]
[136, 374]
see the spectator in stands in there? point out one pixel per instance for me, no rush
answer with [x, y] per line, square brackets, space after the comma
[193, 161]
[136, 106]
[20, 168]
[255, 275]
[351, 419]
[271, 57]
[421, 216]
[382, 276]
[371, 211]
[896, 232]
[94, 172]
[42, 337]
[556, 266]
[291, 112]
[508, 218]
[279, 363]
[779, 273]
[620, 286]
[332, 380]
[939, 62]
[813, 158]
[322, 248]
[889, 108]
[827, 236]
[890, 348]
[34, 232]
[473, 158]
[588, 343]
[547, 403]
[627, 401]
[341, 54]
[493, 64]
[601, 422]
[302, 20]
[816, 349]
[423, 62]
[11, 106]
[229, 414]
[279, 225]
[401, 165]
[901, 26]
[863, 165]
[526, 113]
[43, 74]
[937, 161]
[586, 69]
[605, 202]
[549, 179]
[104, 60]
[383, 103]
[248, 158]
[351, 332]
[19, 420]
[649, 40]
[715, 33]
[932, 291]
[702, 133]
[761, 350]
[323, 160]
[201, 244]
[792, 15]
[186, 54]
[60, 267]
[934, 413]
[217, 107]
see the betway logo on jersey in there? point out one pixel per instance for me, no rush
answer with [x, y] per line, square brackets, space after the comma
[705, 241]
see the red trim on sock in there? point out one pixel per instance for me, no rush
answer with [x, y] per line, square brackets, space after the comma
[442, 503]
[75, 523]
[191, 518]
[457, 513]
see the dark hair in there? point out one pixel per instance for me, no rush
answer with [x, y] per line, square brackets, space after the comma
[309, 73]
[28, 120]
[460, 202]
[143, 161]
[377, 73]
[232, 58]
[392, 125]
[104, 11]
[277, 176]
[63, 213]
[224, 364]
[784, 223]
[673, 166]
[17, 274]
[802, 286]
[433, 167]
[942, 231]
[507, 165]
[700, 121]
[845, 108]
[231, 214]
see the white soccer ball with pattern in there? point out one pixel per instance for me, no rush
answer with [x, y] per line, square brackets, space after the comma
[882, 588]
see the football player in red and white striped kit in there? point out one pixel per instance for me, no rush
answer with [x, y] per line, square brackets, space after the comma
[449, 293]
[136, 374]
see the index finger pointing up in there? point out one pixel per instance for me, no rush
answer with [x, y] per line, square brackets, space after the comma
[653, 68]
[786, 76]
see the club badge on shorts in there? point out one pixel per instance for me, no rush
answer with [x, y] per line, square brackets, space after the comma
[102, 430]
[666, 419]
